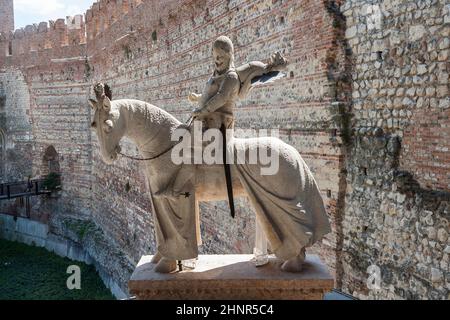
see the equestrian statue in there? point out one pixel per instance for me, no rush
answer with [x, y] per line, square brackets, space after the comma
[287, 202]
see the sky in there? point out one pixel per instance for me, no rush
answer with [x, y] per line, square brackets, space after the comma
[34, 11]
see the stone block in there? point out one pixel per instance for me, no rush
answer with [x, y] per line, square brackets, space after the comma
[8, 235]
[30, 240]
[232, 277]
[7, 223]
[32, 228]
[54, 244]
[416, 32]
[77, 253]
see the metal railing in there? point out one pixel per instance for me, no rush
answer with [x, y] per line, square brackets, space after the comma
[28, 188]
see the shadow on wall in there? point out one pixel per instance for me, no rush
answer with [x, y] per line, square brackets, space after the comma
[50, 162]
[340, 65]
[2, 155]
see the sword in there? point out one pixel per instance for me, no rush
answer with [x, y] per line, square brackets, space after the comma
[226, 166]
[189, 121]
[227, 169]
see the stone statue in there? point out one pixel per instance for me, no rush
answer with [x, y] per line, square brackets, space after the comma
[288, 204]
[228, 84]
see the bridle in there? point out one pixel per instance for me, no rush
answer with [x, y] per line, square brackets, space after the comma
[148, 159]
[189, 122]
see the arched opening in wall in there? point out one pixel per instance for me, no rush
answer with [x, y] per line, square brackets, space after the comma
[9, 51]
[50, 162]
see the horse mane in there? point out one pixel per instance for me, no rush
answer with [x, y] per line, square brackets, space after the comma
[153, 113]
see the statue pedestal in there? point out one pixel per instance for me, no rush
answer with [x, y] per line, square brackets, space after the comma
[232, 277]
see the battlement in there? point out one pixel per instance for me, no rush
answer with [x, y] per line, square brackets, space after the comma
[104, 13]
[61, 33]
[78, 30]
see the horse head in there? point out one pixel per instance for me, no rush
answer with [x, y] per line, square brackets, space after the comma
[108, 123]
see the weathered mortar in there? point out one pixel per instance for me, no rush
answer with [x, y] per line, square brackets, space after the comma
[156, 52]
[7, 15]
[362, 104]
[396, 214]
[16, 129]
[159, 53]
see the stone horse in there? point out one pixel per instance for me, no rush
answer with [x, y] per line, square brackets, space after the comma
[288, 205]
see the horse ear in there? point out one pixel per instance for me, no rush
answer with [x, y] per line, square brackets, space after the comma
[106, 104]
[108, 91]
[93, 103]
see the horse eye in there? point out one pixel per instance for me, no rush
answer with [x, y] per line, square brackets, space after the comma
[107, 127]
[94, 125]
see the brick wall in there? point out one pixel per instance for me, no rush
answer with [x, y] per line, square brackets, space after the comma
[6, 16]
[16, 128]
[396, 215]
[52, 60]
[365, 102]
[160, 53]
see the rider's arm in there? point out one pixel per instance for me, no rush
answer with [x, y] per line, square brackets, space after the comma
[194, 97]
[229, 88]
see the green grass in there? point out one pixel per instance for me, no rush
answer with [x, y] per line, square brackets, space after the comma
[31, 273]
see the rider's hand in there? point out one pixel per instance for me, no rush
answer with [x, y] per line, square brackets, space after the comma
[194, 97]
[277, 61]
[197, 112]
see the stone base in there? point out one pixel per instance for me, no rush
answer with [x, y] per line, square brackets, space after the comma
[232, 277]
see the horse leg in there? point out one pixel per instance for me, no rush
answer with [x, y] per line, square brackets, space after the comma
[295, 264]
[261, 258]
[166, 266]
[175, 188]
[179, 240]
[156, 258]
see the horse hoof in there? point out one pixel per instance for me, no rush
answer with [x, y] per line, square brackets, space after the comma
[166, 266]
[156, 258]
[292, 266]
[295, 264]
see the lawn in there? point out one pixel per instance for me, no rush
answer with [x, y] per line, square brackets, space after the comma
[31, 273]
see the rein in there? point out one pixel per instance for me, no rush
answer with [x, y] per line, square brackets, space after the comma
[147, 159]
[189, 122]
